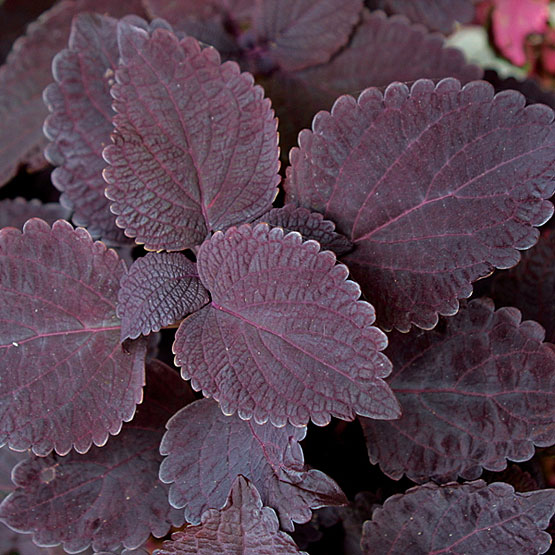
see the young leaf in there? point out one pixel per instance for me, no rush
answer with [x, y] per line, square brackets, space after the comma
[70, 383]
[206, 450]
[26, 73]
[461, 518]
[242, 527]
[435, 186]
[195, 143]
[109, 496]
[295, 35]
[285, 338]
[311, 225]
[15, 212]
[158, 290]
[437, 15]
[530, 285]
[473, 394]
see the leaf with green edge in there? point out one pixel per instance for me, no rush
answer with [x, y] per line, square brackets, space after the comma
[435, 185]
[195, 142]
[71, 383]
[285, 337]
[205, 450]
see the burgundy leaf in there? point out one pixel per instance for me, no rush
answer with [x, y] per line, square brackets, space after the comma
[437, 15]
[295, 35]
[158, 290]
[530, 286]
[70, 382]
[15, 212]
[468, 518]
[242, 527]
[473, 394]
[195, 143]
[109, 496]
[435, 186]
[311, 225]
[26, 73]
[285, 338]
[206, 450]
[382, 50]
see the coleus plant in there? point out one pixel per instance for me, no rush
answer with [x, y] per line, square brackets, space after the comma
[335, 289]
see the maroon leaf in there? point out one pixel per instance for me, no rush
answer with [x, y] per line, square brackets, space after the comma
[295, 35]
[461, 518]
[311, 225]
[242, 527]
[435, 186]
[530, 286]
[15, 212]
[70, 382]
[109, 496]
[26, 73]
[211, 157]
[285, 338]
[473, 394]
[438, 15]
[206, 450]
[158, 290]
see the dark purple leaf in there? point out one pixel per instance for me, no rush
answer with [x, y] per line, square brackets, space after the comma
[530, 285]
[435, 186]
[437, 15]
[311, 225]
[195, 143]
[25, 74]
[295, 35]
[471, 518]
[158, 290]
[206, 450]
[285, 338]
[15, 212]
[70, 382]
[382, 50]
[109, 496]
[473, 394]
[242, 527]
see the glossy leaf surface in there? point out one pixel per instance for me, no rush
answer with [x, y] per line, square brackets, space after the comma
[435, 186]
[476, 391]
[195, 143]
[15, 212]
[461, 518]
[70, 382]
[311, 225]
[205, 450]
[285, 338]
[158, 290]
[242, 527]
[109, 496]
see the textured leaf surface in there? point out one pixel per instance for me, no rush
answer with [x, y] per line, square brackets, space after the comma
[70, 383]
[435, 186]
[530, 285]
[302, 34]
[311, 225]
[109, 496]
[15, 212]
[158, 290]
[242, 527]
[285, 338]
[437, 15]
[472, 394]
[25, 74]
[195, 143]
[461, 518]
[206, 450]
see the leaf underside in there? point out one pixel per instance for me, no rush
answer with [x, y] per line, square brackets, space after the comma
[285, 338]
[434, 185]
